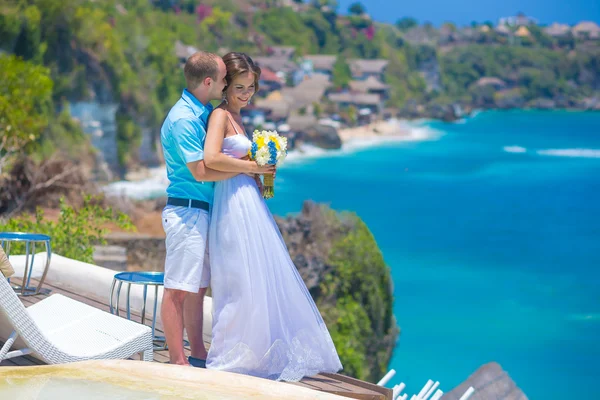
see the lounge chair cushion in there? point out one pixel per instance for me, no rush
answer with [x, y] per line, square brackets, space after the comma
[5, 268]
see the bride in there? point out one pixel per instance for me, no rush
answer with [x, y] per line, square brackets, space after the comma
[265, 322]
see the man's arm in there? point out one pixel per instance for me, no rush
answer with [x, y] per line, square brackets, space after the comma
[189, 147]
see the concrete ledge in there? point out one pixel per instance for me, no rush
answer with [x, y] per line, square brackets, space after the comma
[94, 282]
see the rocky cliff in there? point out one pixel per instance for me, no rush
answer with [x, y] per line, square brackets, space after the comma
[344, 270]
[490, 381]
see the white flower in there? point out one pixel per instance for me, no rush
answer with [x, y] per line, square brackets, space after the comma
[263, 152]
[262, 160]
[282, 143]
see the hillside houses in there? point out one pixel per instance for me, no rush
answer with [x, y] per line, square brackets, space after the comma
[364, 69]
[586, 30]
[518, 20]
[557, 30]
[322, 64]
[296, 88]
[308, 81]
[293, 90]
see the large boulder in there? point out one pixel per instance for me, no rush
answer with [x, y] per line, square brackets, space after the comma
[323, 136]
[490, 382]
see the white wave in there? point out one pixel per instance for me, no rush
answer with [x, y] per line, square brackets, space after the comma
[304, 151]
[476, 112]
[514, 149]
[577, 153]
[155, 185]
[585, 317]
[420, 132]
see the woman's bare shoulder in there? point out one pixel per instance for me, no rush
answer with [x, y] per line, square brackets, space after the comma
[218, 114]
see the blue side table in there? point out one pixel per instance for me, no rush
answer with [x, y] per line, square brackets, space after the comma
[146, 279]
[30, 240]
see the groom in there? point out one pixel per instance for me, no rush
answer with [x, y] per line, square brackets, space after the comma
[185, 218]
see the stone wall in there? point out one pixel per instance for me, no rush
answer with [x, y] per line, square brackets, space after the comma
[142, 252]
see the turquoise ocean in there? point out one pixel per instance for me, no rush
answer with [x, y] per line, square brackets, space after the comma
[491, 229]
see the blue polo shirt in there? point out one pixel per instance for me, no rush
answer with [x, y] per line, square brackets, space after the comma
[182, 137]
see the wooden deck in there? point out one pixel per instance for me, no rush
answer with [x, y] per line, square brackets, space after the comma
[332, 383]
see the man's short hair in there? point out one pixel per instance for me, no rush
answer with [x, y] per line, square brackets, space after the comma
[198, 67]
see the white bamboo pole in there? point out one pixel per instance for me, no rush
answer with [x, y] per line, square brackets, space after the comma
[425, 389]
[386, 378]
[397, 390]
[401, 387]
[437, 395]
[431, 390]
[468, 393]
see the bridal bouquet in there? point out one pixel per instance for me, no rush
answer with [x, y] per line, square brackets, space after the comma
[268, 148]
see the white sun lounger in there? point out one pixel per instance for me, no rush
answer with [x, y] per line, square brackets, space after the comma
[60, 330]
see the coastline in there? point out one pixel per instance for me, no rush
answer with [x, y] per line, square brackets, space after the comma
[386, 131]
[378, 129]
[150, 183]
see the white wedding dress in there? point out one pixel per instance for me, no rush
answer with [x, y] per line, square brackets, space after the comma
[265, 322]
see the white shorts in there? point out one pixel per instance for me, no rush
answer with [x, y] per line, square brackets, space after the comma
[186, 265]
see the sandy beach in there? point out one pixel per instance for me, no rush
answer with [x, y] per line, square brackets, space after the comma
[378, 129]
[394, 130]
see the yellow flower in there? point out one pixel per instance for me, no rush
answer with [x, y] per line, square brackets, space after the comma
[273, 138]
[260, 142]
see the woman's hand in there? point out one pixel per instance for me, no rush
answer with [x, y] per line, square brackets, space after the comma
[264, 170]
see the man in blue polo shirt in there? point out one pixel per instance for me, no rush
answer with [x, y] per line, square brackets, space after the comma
[185, 218]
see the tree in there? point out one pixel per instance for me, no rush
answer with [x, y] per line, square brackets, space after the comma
[129, 136]
[357, 9]
[341, 73]
[29, 42]
[449, 26]
[317, 110]
[406, 23]
[25, 105]
[352, 115]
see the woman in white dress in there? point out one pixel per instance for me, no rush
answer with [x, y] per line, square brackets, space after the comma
[265, 322]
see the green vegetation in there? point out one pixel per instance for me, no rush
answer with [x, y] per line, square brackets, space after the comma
[341, 74]
[356, 300]
[75, 232]
[29, 121]
[25, 101]
[542, 73]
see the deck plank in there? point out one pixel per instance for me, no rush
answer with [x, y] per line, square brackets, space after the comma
[331, 383]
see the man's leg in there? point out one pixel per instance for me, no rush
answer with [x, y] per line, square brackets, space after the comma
[193, 318]
[172, 314]
[185, 275]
